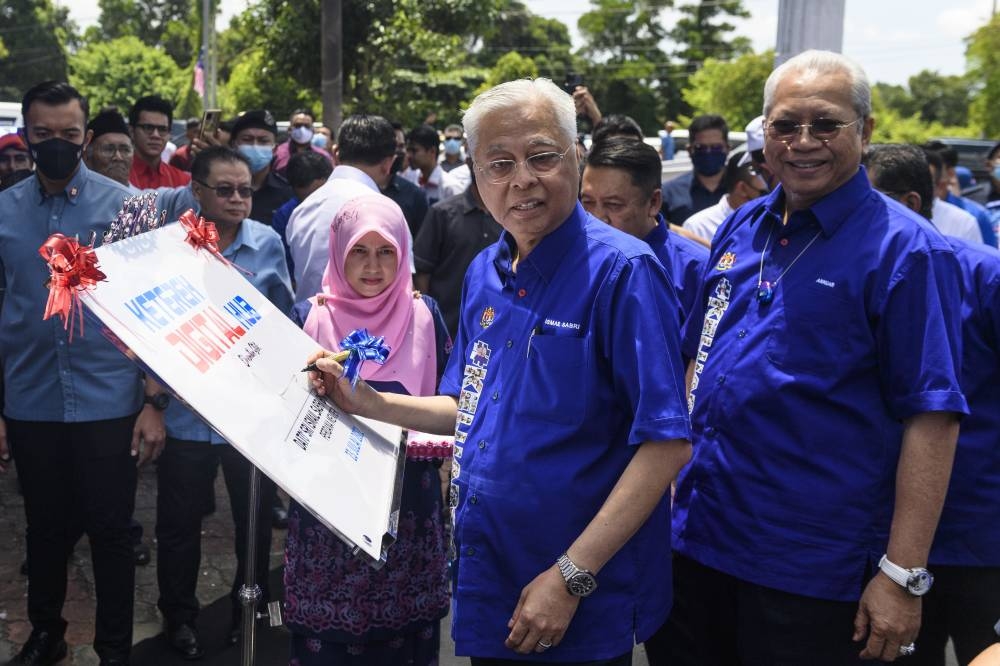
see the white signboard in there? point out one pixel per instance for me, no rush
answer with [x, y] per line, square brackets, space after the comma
[236, 360]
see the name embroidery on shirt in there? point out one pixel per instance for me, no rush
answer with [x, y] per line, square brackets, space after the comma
[826, 283]
[718, 303]
[555, 323]
[726, 261]
[468, 402]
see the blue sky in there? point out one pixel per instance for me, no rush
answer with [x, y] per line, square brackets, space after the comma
[892, 39]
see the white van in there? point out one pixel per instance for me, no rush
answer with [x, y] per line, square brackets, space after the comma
[10, 117]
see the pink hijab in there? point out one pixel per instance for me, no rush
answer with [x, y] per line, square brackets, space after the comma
[404, 321]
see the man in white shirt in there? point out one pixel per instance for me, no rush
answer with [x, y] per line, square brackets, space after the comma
[366, 149]
[744, 183]
[949, 219]
[423, 147]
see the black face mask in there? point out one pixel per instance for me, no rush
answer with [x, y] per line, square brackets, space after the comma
[56, 158]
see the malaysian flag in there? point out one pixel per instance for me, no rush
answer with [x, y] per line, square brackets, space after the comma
[199, 74]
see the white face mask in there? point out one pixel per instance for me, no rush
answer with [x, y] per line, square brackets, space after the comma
[302, 134]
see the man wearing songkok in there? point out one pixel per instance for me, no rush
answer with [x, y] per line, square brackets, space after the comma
[74, 413]
[965, 602]
[824, 401]
[565, 396]
[110, 150]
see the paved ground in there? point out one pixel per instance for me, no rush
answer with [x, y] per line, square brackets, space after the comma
[216, 572]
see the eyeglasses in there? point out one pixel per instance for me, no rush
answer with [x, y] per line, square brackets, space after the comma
[108, 150]
[539, 165]
[149, 128]
[821, 129]
[227, 191]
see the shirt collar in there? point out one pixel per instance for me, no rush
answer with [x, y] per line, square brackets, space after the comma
[244, 236]
[658, 236]
[347, 172]
[74, 188]
[831, 211]
[547, 255]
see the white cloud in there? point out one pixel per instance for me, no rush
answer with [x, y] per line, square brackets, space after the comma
[960, 22]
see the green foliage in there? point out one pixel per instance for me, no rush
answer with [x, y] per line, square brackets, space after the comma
[120, 71]
[983, 58]
[515, 28]
[36, 34]
[892, 126]
[701, 35]
[171, 25]
[939, 98]
[252, 86]
[627, 72]
[510, 67]
[734, 90]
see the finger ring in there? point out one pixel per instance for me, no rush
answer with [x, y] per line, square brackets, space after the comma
[544, 645]
[907, 650]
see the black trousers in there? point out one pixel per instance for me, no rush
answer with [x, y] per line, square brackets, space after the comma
[79, 478]
[719, 620]
[963, 604]
[624, 660]
[185, 473]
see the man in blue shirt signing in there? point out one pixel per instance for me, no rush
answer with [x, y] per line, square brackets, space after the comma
[825, 401]
[566, 400]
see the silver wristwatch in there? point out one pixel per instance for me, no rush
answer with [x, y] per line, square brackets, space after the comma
[917, 581]
[579, 582]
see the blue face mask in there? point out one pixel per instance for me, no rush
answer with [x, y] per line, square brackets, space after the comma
[996, 172]
[259, 156]
[319, 140]
[708, 163]
[452, 146]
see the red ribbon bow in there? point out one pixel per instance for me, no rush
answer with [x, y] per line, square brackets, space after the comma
[73, 269]
[203, 234]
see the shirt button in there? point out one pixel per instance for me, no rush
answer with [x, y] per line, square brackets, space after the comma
[470, 551]
[521, 293]
[709, 430]
[742, 333]
[474, 499]
[720, 380]
[510, 343]
[784, 242]
[482, 444]
[496, 395]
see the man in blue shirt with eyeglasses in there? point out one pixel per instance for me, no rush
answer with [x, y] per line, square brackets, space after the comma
[708, 146]
[824, 401]
[565, 396]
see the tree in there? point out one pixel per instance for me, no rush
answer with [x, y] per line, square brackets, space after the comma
[700, 35]
[629, 72]
[516, 29]
[36, 34]
[122, 70]
[896, 98]
[939, 98]
[510, 67]
[172, 25]
[983, 57]
[892, 126]
[733, 90]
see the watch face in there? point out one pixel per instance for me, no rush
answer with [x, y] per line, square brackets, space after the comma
[159, 401]
[581, 584]
[920, 582]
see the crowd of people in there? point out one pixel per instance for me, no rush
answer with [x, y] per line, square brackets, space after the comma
[743, 416]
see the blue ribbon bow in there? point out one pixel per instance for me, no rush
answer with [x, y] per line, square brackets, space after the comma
[362, 346]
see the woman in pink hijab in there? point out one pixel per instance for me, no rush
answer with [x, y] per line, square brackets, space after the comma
[338, 608]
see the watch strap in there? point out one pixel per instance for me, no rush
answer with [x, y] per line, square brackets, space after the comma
[898, 574]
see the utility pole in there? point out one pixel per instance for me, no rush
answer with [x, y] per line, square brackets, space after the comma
[818, 24]
[208, 49]
[332, 58]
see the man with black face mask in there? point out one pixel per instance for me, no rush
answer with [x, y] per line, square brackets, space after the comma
[407, 195]
[708, 146]
[74, 415]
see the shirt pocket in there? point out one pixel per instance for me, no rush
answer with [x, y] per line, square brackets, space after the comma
[810, 334]
[556, 384]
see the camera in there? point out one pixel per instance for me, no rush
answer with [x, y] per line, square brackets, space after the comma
[572, 81]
